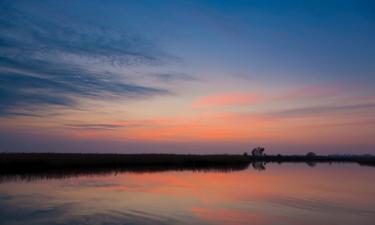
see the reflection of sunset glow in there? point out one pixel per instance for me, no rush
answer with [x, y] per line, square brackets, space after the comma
[287, 194]
[161, 106]
[223, 216]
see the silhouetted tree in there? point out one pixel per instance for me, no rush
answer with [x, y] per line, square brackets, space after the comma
[258, 151]
[311, 154]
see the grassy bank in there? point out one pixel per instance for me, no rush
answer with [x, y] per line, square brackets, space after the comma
[18, 162]
[55, 165]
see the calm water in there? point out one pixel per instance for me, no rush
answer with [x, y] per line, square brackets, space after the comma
[281, 194]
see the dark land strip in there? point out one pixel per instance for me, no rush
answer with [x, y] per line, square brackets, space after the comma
[31, 166]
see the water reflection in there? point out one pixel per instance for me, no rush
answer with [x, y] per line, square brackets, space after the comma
[281, 194]
[259, 165]
[64, 173]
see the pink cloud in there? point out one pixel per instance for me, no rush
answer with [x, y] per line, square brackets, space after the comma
[225, 99]
[246, 98]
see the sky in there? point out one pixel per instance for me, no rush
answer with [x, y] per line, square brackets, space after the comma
[187, 76]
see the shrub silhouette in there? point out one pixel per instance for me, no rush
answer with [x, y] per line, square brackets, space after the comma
[258, 151]
[311, 154]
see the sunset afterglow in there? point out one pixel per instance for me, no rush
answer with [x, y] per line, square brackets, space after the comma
[187, 76]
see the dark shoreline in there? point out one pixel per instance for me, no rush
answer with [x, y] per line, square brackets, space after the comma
[28, 166]
[360, 159]
[20, 161]
[34, 163]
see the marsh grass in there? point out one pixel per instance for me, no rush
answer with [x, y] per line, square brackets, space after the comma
[28, 166]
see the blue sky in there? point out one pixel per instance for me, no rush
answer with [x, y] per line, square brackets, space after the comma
[125, 72]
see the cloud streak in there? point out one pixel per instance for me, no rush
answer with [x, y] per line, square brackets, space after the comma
[94, 126]
[250, 98]
[310, 92]
[171, 77]
[320, 110]
[39, 66]
[226, 99]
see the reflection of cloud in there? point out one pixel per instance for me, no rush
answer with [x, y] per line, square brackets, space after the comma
[24, 210]
[49, 211]
[320, 205]
[92, 183]
[45, 61]
[235, 216]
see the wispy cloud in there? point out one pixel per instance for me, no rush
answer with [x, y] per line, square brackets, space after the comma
[93, 126]
[225, 99]
[171, 77]
[320, 110]
[309, 92]
[38, 65]
[249, 98]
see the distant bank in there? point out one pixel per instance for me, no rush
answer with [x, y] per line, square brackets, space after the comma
[40, 162]
[20, 162]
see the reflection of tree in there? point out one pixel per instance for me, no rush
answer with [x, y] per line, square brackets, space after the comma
[259, 165]
[63, 173]
[311, 163]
